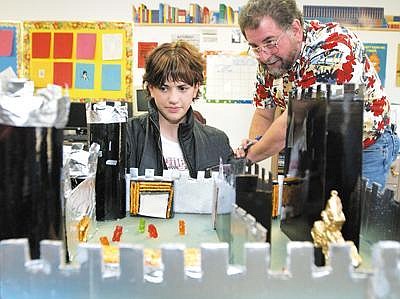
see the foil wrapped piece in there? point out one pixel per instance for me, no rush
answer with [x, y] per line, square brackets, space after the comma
[106, 113]
[80, 204]
[48, 108]
[328, 230]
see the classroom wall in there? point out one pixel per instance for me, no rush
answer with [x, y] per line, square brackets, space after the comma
[120, 10]
[233, 119]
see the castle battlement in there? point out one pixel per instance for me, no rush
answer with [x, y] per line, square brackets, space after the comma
[50, 277]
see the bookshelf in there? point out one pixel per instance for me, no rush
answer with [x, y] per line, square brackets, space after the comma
[358, 16]
[166, 13]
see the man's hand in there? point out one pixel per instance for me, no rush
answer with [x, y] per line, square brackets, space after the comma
[241, 151]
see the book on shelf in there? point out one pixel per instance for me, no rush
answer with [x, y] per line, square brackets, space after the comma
[191, 13]
[393, 22]
[206, 15]
[181, 15]
[135, 14]
[167, 13]
[215, 17]
[154, 16]
[143, 14]
[161, 13]
[393, 25]
[222, 14]
[229, 15]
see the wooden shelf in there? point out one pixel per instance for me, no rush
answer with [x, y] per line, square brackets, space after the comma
[185, 24]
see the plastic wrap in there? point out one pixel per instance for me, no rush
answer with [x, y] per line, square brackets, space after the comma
[80, 203]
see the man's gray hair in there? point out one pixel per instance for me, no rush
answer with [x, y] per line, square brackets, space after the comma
[283, 12]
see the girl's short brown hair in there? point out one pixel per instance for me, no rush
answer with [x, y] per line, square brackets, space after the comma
[176, 61]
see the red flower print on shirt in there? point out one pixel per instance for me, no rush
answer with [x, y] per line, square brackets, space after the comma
[377, 106]
[381, 125]
[257, 102]
[367, 66]
[368, 141]
[331, 25]
[280, 102]
[371, 81]
[261, 91]
[315, 25]
[307, 80]
[269, 81]
[345, 74]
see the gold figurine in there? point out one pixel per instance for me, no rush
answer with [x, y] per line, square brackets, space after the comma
[328, 230]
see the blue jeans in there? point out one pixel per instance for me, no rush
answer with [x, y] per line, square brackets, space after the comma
[378, 158]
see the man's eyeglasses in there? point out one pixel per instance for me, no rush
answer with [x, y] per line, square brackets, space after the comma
[270, 47]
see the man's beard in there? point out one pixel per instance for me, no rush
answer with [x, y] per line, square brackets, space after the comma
[279, 71]
[286, 65]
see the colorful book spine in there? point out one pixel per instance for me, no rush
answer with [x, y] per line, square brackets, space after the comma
[198, 13]
[161, 13]
[192, 12]
[229, 15]
[181, 16]
[222, 14]
[135, 14]
[206, 15]
[154, 16]
[215, 17]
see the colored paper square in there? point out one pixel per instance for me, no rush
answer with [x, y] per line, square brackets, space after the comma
[112, 46]
[41, 44]
[85, 45]
[111, 77]
[6, 42]
[63, 74]
[84, 76]
[6, 62]
[63, 45]
[41, 72]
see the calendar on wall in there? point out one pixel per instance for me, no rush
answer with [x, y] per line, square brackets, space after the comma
[230, 78]
[92, 59]
[10, 47]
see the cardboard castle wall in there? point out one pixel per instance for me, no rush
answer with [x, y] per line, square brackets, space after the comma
[49, 277]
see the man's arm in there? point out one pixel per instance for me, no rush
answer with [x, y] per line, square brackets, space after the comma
[261, 121]
[272, 141]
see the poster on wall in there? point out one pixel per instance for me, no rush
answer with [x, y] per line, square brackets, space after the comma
[144, 48]
[377, 54]
[10, 48]
[398, 67]
[230, 78]
[92, 59]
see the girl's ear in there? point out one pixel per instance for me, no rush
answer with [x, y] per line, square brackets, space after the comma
[151, 90]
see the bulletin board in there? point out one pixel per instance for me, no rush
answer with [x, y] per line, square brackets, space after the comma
[10, 47]
[93, 59]
[230, 78]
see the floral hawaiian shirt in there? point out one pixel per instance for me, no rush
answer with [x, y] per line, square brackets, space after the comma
[330, 54]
